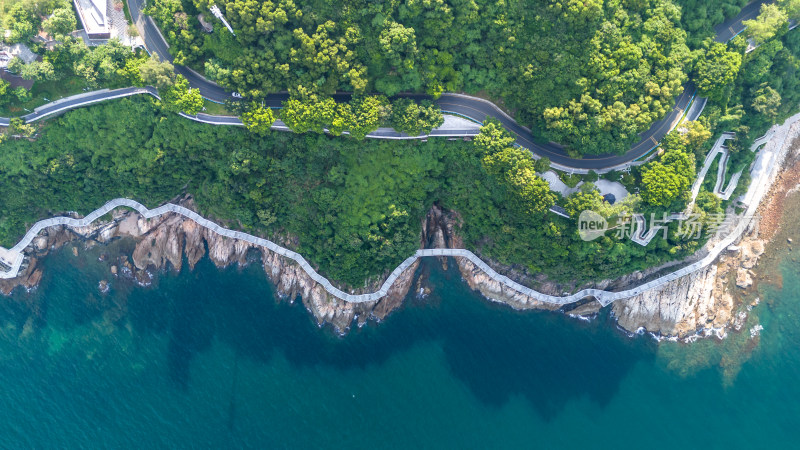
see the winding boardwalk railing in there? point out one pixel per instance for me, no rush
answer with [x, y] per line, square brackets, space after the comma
[764, 169]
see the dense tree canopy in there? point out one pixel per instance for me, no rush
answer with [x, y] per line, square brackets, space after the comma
[791, 8]
[716, 71]
[258, 119]
[771, 19]
[699, 16]
[353, 208]
[155, 73]
[669, 178]
[61, 23]
[588, 74]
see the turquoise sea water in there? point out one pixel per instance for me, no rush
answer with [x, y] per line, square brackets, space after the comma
[208, 359]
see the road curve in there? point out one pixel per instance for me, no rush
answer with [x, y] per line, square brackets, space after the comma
[476, 108]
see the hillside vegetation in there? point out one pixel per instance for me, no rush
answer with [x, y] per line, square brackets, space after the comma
[589, 74]
[354, 207]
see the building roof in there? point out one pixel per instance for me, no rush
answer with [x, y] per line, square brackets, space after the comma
[94, 16]
[15, 81]
[7, 52]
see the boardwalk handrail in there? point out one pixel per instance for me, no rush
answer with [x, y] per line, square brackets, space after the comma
[14, 257]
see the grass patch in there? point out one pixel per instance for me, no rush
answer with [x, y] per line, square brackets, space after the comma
[45, 92]
[711, 176]
[125, 9]
[570, 179]
[728, 174]
[210, 107]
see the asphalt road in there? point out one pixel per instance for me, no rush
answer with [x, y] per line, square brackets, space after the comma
[730, 28]
[60, 106]
[472, 107]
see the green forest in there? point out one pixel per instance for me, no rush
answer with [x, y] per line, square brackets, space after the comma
[355, 207]
[587, 74]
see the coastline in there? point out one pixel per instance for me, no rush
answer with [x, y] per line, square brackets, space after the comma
[717, 299]
[683, 303]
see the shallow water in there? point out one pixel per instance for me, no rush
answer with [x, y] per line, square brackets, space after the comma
[208, 358]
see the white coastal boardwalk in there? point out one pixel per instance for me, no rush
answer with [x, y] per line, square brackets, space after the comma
[763, 172]
[642, 236]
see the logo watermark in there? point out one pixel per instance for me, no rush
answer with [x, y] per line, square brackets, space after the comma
[591, 225]
[693, 226]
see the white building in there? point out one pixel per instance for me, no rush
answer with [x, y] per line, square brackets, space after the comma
[94, 17]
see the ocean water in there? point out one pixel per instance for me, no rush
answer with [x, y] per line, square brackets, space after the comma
[209, 359]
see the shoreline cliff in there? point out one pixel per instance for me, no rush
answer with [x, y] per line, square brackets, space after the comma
[706, 302]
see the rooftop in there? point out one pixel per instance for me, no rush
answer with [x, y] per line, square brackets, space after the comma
[7, 52]
[94, 16]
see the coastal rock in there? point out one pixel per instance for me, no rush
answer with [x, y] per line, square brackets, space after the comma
[193, 237]
[496, 291]
[743, 278]
[751, 251]
[40, 243]
[29, 277]
[680, 308]
[225, 251]
[290, 281]
[160, 245]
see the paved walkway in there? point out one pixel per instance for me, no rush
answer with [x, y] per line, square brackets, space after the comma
[759, 171]
[764, 171]
[615, 188]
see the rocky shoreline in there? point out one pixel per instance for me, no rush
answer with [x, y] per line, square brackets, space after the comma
[703, 303]
[163, 242]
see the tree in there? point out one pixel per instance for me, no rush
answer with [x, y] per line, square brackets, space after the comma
[667, 180]
[399, 45]
[15, 65]
[307, 112]
[4, 98]
[61, 23]
[23, 95]
[767, 101]
[542, 164]
[22, 21]
[18, 127]
[493, 137]
[579, 12]
[367, 115]
[527, 193]
[583, 200]
[791, 8]
[696, 135]
[767, 24]
[258, 119]
[132, 70]
[181, 98]
[157, 73]
[716, 72]
[415, 119]
[40, 71]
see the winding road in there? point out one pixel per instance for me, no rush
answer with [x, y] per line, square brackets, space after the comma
[768, 163]
[476, 108]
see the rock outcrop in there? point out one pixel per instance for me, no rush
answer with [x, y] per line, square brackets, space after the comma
[162, 243]
[680, 308]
